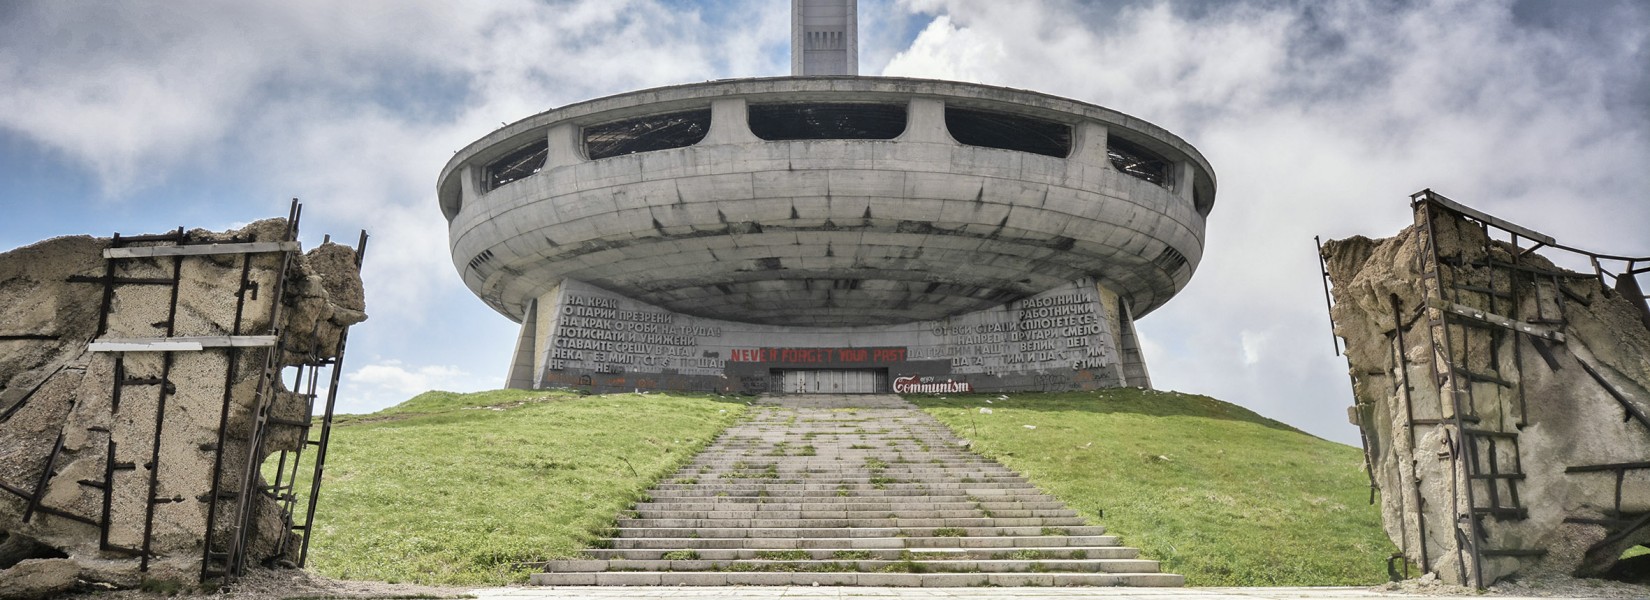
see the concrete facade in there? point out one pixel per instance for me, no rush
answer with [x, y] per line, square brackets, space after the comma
[829, 243]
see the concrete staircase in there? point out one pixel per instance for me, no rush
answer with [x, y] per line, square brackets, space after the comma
[851, 490]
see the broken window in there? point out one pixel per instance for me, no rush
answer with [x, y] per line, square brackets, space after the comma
[516, 165]
[646, 134]
[1134, 160]
[796, 121]
[1008, 131]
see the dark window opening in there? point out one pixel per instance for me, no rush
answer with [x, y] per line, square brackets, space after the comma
[1008, 132]
[646, 134]
[1139, 162]
[774, 122]
[516, 165]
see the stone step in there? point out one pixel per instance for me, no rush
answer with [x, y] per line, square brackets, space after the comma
[840, 503]
[919, 562]
[724, 554]
[859, 579]
[852, 505]
[829, 491]
[864, 542]
[994, 494]
[776, 486]
[1071, 525]
[838, 532]
[841, 514]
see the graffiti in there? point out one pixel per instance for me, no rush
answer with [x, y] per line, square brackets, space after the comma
[927, 385]
[1053, 382]
[753, 385]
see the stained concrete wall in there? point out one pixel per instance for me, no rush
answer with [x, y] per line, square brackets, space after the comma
[587, 337]
[58, 387]
[737, 228]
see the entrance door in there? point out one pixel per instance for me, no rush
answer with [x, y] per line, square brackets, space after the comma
[822, 381]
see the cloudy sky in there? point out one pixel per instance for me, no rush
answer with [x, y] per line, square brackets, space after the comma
[1320, 118]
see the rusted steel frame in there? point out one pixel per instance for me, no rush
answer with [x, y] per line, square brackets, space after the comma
[1627, 405]
[1459, 443]
[108, 290]
[109, 468]
[1409, 425]
[235, 558]
[1363, 434]
[303, 385]
[18, 405]
[45, 478]
[1328, 304]
[231, 358]
[326, 420]
[166, 361]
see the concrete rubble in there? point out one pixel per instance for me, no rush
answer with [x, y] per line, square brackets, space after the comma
[1550, 451]
[73, 515]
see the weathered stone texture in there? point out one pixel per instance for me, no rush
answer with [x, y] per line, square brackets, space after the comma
[57, 387]
[1548, 416]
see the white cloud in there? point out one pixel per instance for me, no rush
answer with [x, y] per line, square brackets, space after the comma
[1323, 120]
[388, 382]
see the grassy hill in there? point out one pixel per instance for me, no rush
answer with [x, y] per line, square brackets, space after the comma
[464, 488]
[1215, 491]
[461, 489]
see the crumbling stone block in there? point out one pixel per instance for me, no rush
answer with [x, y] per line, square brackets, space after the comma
[106, 453]
[1495, 388]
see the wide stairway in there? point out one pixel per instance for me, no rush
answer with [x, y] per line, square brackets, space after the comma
[851, 490]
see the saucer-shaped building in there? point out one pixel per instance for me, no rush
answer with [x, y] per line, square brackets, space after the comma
[834, 234]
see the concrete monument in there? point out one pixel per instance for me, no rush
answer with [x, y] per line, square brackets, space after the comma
[827, 233]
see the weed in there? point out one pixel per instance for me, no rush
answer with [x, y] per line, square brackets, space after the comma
[1078, 554]
[783, 554]
[680, 555]
[851, 555]
[950, 532]
[1055, 531]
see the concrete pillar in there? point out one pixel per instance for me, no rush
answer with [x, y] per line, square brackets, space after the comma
[729, 123]
[521, 364]
[925, 122]
[566, 146]
[469, 184]
[1089, 144]
[1184, 177]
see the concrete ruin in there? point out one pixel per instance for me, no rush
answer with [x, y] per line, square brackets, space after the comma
[1502, 399]
[144, 384]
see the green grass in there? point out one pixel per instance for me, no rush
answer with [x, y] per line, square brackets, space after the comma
[1216, 492]
[462, 489]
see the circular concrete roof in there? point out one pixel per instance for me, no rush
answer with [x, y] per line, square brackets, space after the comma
[704, 217]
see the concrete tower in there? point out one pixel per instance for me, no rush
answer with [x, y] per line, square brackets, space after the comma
[827, 233]
[824, 37]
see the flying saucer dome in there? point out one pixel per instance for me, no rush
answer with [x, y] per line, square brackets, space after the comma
[827, 201]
